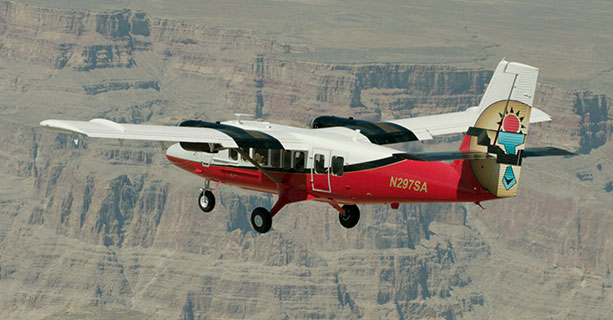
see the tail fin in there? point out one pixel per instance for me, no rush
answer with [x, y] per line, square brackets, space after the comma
[502, 126]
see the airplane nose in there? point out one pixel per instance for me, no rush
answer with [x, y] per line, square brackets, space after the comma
[175, 151]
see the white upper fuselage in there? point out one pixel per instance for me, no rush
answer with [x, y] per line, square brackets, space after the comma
[337, 141]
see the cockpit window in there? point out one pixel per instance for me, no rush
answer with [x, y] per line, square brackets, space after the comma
[233, 154]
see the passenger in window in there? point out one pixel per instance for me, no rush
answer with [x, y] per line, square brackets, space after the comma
[261, 156]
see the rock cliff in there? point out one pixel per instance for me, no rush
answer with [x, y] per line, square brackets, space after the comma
[94, 225]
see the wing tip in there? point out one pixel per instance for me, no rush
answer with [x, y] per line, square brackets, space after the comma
[60, 126]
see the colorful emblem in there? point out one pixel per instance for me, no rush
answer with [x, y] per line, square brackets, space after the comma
[510, 138]
[510, 141]
[509, 180]
[501, 131]
[511, 135]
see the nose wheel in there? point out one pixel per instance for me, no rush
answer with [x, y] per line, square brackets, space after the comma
[206, 201]
[350, 218]
[261, 220]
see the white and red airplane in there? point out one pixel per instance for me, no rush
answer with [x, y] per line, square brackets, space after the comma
[344, 161]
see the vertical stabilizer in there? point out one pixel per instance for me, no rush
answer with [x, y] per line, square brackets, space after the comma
[502, 126]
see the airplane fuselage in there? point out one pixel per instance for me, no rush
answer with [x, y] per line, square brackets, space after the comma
[336, 171]
[345, 161]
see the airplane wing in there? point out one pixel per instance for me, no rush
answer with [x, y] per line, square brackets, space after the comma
[228, 135]
[194, 132]
[456, 122]
[412, 129]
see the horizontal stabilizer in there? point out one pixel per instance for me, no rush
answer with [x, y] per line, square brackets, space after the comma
[546, 152]
[472, 155]
[445, 155]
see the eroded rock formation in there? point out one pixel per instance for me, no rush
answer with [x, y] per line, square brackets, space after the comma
[93, 223]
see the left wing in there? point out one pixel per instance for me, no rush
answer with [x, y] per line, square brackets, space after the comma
[197, 133]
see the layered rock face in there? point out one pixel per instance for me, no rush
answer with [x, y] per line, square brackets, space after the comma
[95, 225]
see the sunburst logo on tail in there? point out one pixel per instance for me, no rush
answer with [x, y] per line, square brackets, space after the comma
[511, 136]
[501, 130]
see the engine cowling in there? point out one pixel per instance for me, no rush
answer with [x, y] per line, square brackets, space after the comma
[333, 121]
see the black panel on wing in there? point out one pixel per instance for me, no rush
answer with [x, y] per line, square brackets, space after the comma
[376, 132]
[243, 138]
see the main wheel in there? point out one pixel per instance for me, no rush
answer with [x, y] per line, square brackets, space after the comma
[261, 220]
[351, 216]
[206, 201]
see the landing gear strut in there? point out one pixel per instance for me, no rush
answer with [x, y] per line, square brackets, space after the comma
[350, 218]
[261, 218]
[206, 200]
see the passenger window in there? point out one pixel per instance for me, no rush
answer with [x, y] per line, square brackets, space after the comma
[275, 158]
[287, 159]
[261, 156]
[299, 160]
[338, 165]
[245, 151]
[320, 163]
[233, 154]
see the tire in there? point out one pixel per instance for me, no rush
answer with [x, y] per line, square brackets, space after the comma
[261, 220]
[351, 217]
[206, 201]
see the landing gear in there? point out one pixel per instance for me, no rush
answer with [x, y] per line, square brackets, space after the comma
[206, 201]
[261, 220]
[351, 216]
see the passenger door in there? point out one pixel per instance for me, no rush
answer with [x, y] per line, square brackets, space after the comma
[320, 171]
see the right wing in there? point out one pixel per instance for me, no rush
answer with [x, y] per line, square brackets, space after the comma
[412, 129]
[456, 122]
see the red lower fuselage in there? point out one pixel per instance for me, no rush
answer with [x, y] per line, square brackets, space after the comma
[399, 181]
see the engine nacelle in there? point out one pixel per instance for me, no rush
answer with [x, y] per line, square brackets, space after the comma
[332, 121]
[200, 147]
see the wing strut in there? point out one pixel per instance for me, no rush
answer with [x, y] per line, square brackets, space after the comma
[258, 166]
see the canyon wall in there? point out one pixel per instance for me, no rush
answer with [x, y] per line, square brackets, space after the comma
[94, 224]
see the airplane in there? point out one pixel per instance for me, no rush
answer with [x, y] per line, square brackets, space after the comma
[345, 161]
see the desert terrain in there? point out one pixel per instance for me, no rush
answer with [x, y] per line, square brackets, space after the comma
[102, 230]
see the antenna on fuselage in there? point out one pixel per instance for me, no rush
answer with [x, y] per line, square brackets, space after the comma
[239, 115]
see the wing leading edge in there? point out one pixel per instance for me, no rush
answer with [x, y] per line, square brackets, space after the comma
[102, 128]
[197, 135]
